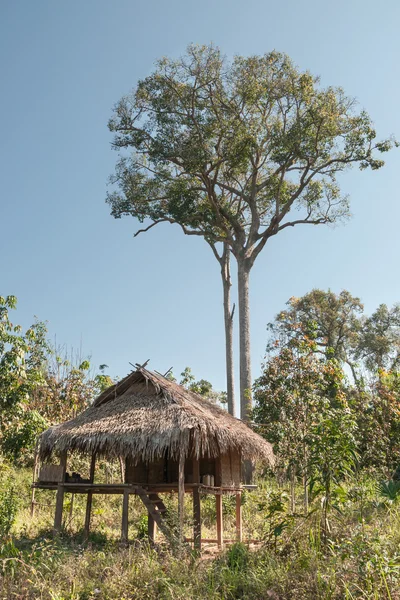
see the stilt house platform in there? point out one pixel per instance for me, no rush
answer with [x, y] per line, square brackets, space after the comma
[170, 439]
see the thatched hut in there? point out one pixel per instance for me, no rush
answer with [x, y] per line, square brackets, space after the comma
[169, 438]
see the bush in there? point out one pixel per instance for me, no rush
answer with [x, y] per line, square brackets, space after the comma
[8, 510]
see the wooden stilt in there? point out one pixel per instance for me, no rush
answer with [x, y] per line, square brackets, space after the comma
[151, 524]
[60, 496]
[181, 495]
[196, 519]
[125, 510]
[196, 506]
[89, 497]
[220, 526]
[239, 516]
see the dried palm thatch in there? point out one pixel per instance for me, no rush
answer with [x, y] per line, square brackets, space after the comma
[146, 414]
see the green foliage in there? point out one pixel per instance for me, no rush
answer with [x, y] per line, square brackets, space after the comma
[390, 490]
[22, 357]
[237, 557]
[22, 435]
[330, 321]
[142, 528]
[360, 559]
[379, 341]
[311, 332]
[228, 149]
[39, 385]
[202, 386]
[8, 508]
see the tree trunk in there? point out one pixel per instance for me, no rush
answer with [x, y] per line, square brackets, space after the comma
[244, 338]
[305, 488]
[228, 317]
[292, 490]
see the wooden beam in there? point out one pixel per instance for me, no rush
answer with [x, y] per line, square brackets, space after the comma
[226, 541]
[89, 498]
[181, 495]
[220, 525]
[239, 517]
[60, 496]
[125, 510]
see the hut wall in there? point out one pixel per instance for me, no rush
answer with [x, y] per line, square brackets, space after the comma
[226, 473]
[51, 473]
[158, 471]
[173, 473]
[207, 466]
[231, 469]
[136, 473]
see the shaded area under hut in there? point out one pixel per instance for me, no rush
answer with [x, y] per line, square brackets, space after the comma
[170, 440]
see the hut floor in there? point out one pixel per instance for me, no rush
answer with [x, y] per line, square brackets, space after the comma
[119, 488]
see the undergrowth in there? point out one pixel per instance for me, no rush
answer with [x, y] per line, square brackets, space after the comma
[360, 558]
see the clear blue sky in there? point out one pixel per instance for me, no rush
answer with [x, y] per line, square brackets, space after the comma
[63, 66]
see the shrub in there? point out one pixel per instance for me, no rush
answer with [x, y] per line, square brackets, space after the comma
[8, 510]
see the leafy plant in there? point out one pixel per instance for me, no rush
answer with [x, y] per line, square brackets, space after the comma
[390, 490]
[8, 509]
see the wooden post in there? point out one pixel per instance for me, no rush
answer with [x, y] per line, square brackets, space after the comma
[89, 496]
[122, 468]
[181, 495]
[218, 472]
[196, 505]
[60, 496]
[151, 524]
[125, 509]
[220, 525]
[239, 516]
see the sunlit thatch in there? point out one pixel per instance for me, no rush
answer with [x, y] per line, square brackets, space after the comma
[144, 415]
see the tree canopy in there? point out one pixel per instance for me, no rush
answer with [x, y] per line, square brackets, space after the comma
[235, 152]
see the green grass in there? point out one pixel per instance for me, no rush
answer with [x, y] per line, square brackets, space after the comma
[360, 559]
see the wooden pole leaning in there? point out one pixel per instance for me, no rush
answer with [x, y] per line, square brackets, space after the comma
[60, 495]
[196, 505]
[89, 498]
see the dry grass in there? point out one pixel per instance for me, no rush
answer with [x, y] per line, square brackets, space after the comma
[359, 561]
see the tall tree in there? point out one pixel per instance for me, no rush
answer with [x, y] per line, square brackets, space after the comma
[379, 340]
[236, 152]
[225, 264]
[332, 321]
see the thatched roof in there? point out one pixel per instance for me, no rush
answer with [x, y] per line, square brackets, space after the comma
[144, 415]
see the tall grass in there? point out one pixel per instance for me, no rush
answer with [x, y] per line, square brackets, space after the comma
[360, 559]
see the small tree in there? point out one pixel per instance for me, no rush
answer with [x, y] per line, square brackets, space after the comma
[21, 373]
[287, 404]
[301, 404]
